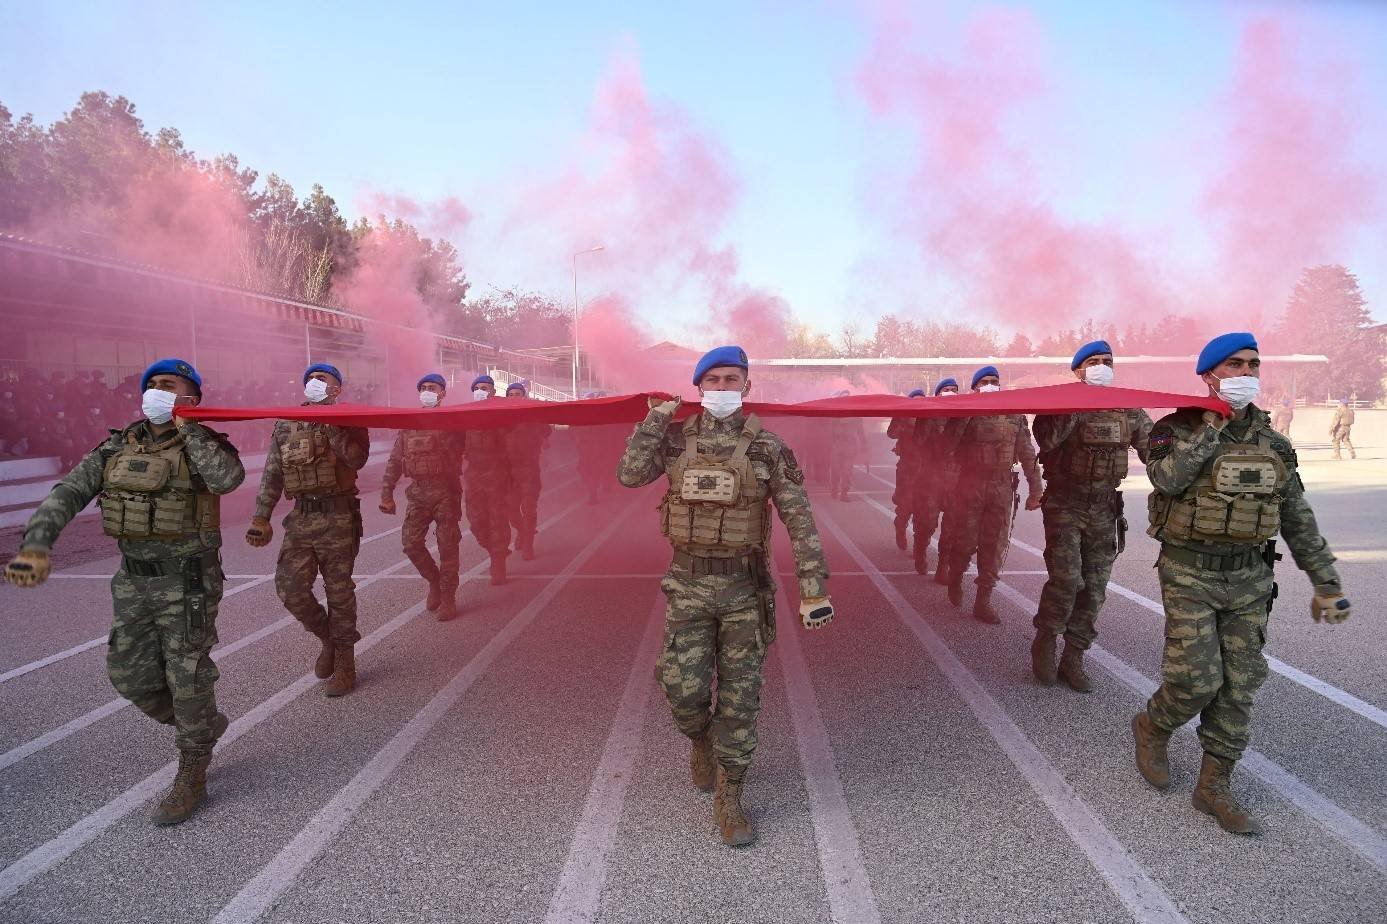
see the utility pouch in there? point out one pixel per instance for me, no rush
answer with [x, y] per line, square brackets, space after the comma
[194, 601]
[765, 597]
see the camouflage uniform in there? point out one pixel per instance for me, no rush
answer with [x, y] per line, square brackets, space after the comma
[432, 460]
[488, 480]
[167, 590]
[936, 479]
[1217, 593]
[845, 442]
[322, 534]
[598, 449]
[524, 443]
[902, 430]
[720, 616]
[1085, 459]
[1340, 428]
[985, 449]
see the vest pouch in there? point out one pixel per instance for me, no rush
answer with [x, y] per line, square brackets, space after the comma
[139, 471]
[707, 485]
[136, 516]
[1211, 511]
[706, 527]
[112, 515]
[170, 513]
[1251, 519]
[1107, 430]
[303, 446]
[1247, 473]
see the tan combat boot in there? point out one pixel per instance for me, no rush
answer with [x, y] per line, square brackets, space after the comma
[434, 598]
[220, 723]
[941, 572]
[1152, 762]
[1071, 669]
[982, 606]
[1043, 656]
[1213, 796]
[701, 762]
[322, 667]
[727, 809]
[900, 535]
[343, 678]
[189, 790]
[956, 588]
[448, 609]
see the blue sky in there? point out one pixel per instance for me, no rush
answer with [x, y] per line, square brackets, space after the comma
[432, 99]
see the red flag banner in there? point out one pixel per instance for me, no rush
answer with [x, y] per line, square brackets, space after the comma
[505, 412]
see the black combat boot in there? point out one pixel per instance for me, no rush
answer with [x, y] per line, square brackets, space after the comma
[736, 829]
[1214, 796]
[1152, 762]
[1043, 656]
[982, 606]
[1071, 669]
[189, 790]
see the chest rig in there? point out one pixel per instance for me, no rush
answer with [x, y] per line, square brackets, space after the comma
[1237, 498]
[1096, 451]
[148, 492]
[989, 445]
[424, 455]
[310, 465]
[715, 507]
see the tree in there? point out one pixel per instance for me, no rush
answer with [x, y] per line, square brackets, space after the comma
[1328, 314]
[1020, 346]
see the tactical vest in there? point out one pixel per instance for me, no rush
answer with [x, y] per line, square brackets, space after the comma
[715, 507]
[310, 466]
[485, 442]
[989, 445]
[424, 454]
[148, 492]
[1096, 451]
[1237, 498]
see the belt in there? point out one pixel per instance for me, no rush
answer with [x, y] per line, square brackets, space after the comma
[696, 565]
[338, 503]
[166, 567]
[1211, 561]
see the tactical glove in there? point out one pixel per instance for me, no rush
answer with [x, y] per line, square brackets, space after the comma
[260, 532]
[30, 568]
[387, 503]
[815, 612]
[1329, 606]
[665, 404]
[1215, 420]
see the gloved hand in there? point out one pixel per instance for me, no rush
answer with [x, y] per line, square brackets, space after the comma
[815, 612]
[1215, 420]
[1033, 502]
[260, 532]
[665, 404]
[1329, 605]
[30, 568]
[387, 503]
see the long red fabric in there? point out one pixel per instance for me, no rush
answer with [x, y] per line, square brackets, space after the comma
[504, 412]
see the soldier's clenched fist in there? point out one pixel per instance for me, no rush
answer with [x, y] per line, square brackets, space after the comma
[30, 568]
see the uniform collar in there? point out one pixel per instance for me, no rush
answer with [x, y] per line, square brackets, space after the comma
[734, 422]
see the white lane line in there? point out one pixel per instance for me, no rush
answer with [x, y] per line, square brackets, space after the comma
[1355, 834]
[260, 894]
[1374, 714]
[579, 892]
[1125, 876]
[850, 895]
[54, 851]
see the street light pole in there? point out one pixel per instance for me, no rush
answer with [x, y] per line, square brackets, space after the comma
[576, 309]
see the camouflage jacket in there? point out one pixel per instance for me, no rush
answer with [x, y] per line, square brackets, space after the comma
[214, 462]
[902, 430]
[1182, 445]
[654, 443]
[395, 466]
[1051, 431]
[1343, 418]
[956, 435]
[352, 445]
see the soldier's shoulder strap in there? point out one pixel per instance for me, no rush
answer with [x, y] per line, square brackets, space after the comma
[750, 430]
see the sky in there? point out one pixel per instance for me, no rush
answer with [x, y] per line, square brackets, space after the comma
[830, 203]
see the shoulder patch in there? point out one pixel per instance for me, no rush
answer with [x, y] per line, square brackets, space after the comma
[1161, 442]
[792, 469]
[1282, 447]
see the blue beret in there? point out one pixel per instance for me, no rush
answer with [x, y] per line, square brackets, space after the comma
[983, 373]
[1222, 347]
[323, 367]
[916, 393]
[434, 377]
[721, 356]
[945, 383]
[483, 380]
[171, 366]
[1089, 349]
[522, 384]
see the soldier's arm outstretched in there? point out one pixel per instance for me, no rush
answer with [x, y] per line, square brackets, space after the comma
[352, 445]
[792, 503]
[271, 479]
[78, 488]
[644, 458]
[213, 458]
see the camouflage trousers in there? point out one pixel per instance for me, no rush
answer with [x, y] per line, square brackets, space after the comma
[326, 544]
[978, 519]
[1340, 438]
[524, 499]
[488, 509]
[839, 473]
[903, 494]
[932, 489]
[1080, 547]
[160, 660]
[713, 629]
[439, 504]
[1215, 629]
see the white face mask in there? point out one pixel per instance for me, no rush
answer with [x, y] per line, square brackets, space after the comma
[1239, 390]
[1100, 374]
[158, 405]
[428, 398]
[946, 394]
[990, 388]
[480, 394]
[722, 404]
[315, 390]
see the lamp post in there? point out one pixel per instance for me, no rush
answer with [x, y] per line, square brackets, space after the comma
[596, 249]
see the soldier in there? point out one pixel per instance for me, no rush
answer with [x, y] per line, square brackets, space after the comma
[980, 518]
[724, 470]
[524, 443]
[902, 430]
[1085, 459]
[315, 464]
[432, 460]
[1224, 488]
[1283, 415]
[846, 442]
[1340, 427]
[936, 478]
[488, 486]
[159, 481]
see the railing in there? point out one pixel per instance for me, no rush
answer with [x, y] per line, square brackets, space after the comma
[534, 389]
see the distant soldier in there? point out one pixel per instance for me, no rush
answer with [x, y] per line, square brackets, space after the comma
[159, 481]
[314, 465]
[1085, 459]
[432, 460]
[986, 450]
[524, 444]
[935, 481]
[724, 473]
[902, 430]
[846, 441]
[1225, 487]
[1281, 417]
[488, 485]
[1340, 427]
